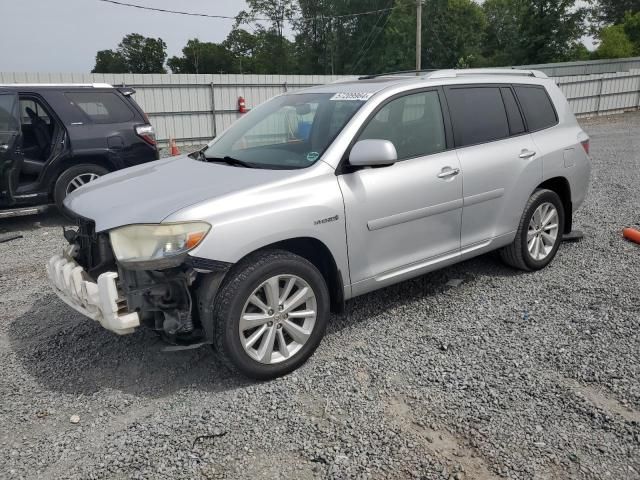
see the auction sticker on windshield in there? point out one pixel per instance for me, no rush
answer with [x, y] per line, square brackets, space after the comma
[352, 96]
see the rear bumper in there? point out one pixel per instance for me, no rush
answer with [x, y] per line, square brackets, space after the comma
[97, 300]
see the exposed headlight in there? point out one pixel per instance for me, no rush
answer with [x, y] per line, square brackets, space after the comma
[150, 242]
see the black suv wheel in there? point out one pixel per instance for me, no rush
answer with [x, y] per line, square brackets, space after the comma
[74, 178]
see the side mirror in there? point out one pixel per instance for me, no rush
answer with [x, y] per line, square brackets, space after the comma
[373, 153]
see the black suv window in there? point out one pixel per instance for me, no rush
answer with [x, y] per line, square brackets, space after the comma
[101, 107]
[537, 107]
[478, 115]
[413, 123]
[7, 114]
[28, 105]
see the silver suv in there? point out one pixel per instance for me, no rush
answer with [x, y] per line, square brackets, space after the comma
[321, 195]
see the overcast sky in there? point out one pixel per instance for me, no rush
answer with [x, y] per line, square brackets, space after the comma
[64, 35]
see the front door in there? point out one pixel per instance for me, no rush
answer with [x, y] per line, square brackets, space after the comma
[10, 142]
[400, 216]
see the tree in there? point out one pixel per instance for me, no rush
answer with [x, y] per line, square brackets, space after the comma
[135, 54]
[454, 33]
[330, 40]
[108, 61]
[242, 46]
[632, 29]
[272, 39]
[613, 11]
[533, 31]
[202, 57]
[504, 18]
[614, 43]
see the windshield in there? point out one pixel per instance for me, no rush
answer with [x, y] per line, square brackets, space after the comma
[288, 132]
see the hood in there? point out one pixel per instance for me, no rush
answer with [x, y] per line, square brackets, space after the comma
[151, 192]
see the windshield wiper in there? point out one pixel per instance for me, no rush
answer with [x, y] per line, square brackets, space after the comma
[230, 161]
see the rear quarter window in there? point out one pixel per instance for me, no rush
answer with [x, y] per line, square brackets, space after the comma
[101, 107]
[537, 107]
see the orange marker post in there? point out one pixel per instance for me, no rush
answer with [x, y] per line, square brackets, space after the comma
[631, 234]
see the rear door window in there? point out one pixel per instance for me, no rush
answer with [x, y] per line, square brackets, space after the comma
[537, 107]
[101, 107]
[29, 107]
[478, 115]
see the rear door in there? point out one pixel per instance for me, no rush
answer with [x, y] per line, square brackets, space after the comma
[498, 157]
[10, 143]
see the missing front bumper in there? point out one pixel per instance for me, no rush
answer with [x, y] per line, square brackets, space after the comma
[97, 300]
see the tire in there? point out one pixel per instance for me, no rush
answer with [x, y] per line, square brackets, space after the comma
[232, 302]
[518, 254]
[63, 184]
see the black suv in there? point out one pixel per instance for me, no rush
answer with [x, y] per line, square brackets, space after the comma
[56, 138]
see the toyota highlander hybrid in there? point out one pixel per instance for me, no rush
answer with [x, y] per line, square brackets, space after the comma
[321, 195]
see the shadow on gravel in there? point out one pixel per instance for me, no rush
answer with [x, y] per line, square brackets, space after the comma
[68, 353]
[483, 268]
[50, 218]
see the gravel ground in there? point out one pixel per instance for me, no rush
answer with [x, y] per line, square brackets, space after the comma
[508, 375]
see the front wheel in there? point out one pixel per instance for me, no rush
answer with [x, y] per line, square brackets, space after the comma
[72, 179]
[271, 314]
[539, 234]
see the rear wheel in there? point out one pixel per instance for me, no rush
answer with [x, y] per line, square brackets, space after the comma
[271, 314]
[72, 179]
[539, 234]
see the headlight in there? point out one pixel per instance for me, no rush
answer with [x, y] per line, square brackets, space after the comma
[144, 243]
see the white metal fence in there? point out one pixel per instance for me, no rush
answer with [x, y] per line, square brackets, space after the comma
[195, 108]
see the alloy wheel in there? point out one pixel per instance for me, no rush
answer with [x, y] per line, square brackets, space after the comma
[543, 231]
[80, 180]
[278, 319]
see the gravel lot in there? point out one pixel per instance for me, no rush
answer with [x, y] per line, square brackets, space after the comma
[508, 375]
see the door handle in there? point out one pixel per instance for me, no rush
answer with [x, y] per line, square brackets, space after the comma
[527, 154]
[4, 147]
[451, 172]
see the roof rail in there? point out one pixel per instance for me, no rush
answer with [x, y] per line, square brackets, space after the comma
[486, 71]
[74, 85]
[402, 73]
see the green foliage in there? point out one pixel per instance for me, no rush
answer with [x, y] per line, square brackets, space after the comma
[550, 30]
[323, 37]
[614, 43]
[502, 35]
[613, 11]
[135, 54]
[533, 31]
[202, 57]
[452, 33]
[273, 50]
[108, 61]
[632, 29]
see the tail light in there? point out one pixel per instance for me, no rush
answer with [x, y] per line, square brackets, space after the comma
[586, 145]
[147, 133]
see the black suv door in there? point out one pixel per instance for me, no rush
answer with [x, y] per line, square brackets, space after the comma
[10, 143]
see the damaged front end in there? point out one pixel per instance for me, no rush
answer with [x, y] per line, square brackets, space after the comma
[172, 295]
